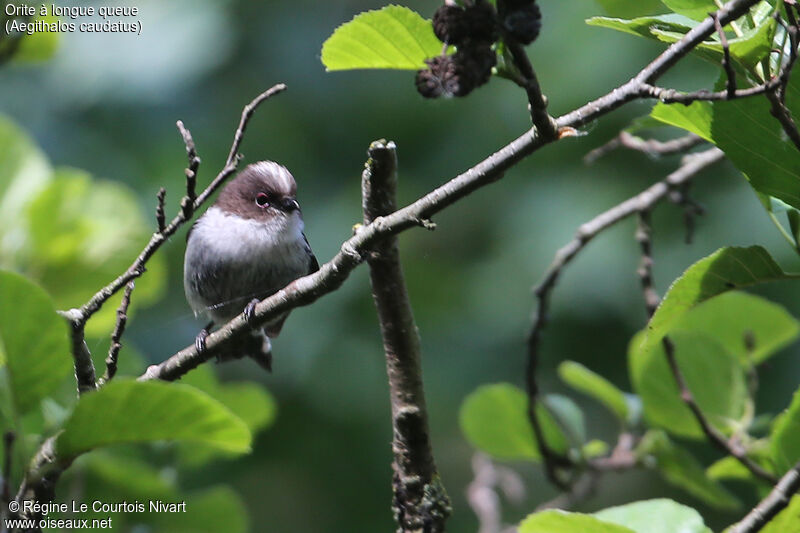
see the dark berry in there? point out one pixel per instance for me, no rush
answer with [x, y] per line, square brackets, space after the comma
[476, 61]
[481, 23]
[476, 23]
[450, 24]
[428, 84]
[524, 24]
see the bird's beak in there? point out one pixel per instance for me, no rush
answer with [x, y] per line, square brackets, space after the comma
[289, 204]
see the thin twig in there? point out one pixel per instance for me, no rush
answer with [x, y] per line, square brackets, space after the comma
[187, 204]
[727, 65]
[731, 447]
[116, 336]
[645, 270]
[652, 147]
[776, 500]
[160, 217]
[537, 102]
[420, 501]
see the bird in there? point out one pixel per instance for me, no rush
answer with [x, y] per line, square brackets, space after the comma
[249, 244]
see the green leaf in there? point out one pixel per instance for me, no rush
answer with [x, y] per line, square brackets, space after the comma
[568, 415]
[747, 50]
[750, 136]
[785, 436]
[394, 37]
[729, 468]
[787, 521]
[680, 468]
[696, 9]
[564, 522]
[724, 270]
[645, 26]
[714, 376]
[35, 342]
[131, 411]
[695, 118]
[130, 476]
[731, 316]
[655, 516]
[249, 401]
[582, 379]
[627, 9]
[494, 419]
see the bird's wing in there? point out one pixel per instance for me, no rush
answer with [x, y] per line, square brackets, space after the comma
[313, 264]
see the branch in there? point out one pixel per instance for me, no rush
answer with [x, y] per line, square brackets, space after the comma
[331, 275]
[116, 336]
[644, 201]
[645, 270]
[713, 434]
[778, 498]
[420, 501]
[652, 147]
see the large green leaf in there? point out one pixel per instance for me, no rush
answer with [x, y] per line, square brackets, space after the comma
[655, 516]
[644, 26]
[786, 436]
[394, 37]
[680, 468]
[714, 376]
[249, 401]
[724, 270]
[494, 419]
[34, 340]
[581, 378]
[732, 316]
[564, 522]
[131, 411]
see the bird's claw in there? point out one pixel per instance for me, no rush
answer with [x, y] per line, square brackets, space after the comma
[250, 310]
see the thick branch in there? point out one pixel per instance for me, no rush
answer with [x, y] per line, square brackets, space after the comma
[420, 501]
[777, 500]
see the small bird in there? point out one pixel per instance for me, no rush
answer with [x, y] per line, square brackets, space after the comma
[248, 245]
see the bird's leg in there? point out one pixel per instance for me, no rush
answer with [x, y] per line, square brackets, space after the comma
[249, 311]
[200, 340]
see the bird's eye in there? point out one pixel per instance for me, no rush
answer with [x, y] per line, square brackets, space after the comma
[262, 200]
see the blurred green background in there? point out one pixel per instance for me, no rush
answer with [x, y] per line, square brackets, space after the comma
[107, 104]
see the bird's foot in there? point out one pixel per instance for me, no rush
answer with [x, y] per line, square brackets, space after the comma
[200, 340]
[250, 310]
